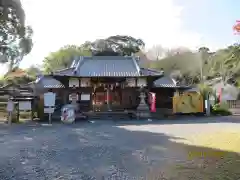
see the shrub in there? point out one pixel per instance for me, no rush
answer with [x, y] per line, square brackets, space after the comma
[221, 109]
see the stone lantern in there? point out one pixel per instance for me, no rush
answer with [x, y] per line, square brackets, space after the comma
[143, 109]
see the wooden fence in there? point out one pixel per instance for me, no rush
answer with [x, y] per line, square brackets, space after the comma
[234, 106]
[4, 113]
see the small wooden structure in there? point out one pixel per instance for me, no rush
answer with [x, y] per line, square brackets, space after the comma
[165, 89]
[21, 95]
[188, 102]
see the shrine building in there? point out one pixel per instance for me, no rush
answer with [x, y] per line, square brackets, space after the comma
[103, 84]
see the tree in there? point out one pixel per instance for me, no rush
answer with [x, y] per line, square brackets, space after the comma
[225, 63]
[15, 37]
[120, 45]
[156, 52]
[17, 76]
[183, 66]
[63, 57]
[33, 71]
[176, 51]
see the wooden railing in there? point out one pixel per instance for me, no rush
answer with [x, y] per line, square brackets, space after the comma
[233, 104]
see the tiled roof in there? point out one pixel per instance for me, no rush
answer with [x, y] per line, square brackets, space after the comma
[48, 82]
[151, 72]
[66, 72]
[166, 82]
[106, 66]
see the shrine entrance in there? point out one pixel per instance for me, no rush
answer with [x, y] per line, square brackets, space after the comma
[107, 99]
[107, 94]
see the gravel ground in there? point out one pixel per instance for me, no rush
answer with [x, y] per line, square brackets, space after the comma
[100, 150]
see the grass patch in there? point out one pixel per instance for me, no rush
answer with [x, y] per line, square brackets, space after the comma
[211, 156]
[227, 140]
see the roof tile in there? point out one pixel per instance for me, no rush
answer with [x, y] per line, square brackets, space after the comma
[107, 66]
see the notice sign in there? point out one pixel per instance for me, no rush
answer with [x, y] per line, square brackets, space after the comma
[49, 99]
[10, 106]
[85, 97]
[25, 105]
[73, 97]
[73, 82]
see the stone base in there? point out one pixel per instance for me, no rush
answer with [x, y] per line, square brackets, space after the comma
[143, 109]
[143, 115]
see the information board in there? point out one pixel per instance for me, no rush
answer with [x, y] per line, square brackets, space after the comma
[49, 99]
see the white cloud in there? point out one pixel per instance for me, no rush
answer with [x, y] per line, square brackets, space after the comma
[59, 22]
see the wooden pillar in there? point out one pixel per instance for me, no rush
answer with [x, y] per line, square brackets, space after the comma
[32, 109]
[108, 99]
[18, 112]
[176, 93]
[41, 106]
[65, 96]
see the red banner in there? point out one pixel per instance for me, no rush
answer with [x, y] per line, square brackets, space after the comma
[220, 95]
[153, 102]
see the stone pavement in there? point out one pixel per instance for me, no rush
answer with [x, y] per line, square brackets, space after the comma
[99, 150]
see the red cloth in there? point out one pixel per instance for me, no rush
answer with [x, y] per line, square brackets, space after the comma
[153, 102]
[220, 95]
[109, 98]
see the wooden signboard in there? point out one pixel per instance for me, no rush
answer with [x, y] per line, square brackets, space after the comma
[48, 110]
[141, 82]
[25, 105]
[73, 97]
[10, 106]
[49, 99]
[131, 82]
[49, 103]
[73, 82]
[85, 97]
[85, 82]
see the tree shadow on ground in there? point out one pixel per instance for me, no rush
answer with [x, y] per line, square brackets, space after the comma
[161, 157]
[94, 148]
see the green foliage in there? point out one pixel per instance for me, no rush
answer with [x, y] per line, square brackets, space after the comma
[63, 57]
[221, 109]
[111, 46]
[20, 76]
[224, 63]
[205, 90]
[187, 63]
[32, 72]
[121, 45]
[178, 62]
[238, 82]
[15, 37]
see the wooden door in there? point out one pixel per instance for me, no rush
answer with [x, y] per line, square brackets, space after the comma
[99, 101]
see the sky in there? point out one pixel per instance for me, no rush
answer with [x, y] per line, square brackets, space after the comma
[170, 23]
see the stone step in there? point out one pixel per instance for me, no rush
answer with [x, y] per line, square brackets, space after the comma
[110, 115]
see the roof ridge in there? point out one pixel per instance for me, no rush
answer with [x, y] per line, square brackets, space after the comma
[107, 57]
[60, 70]
[136, 65]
